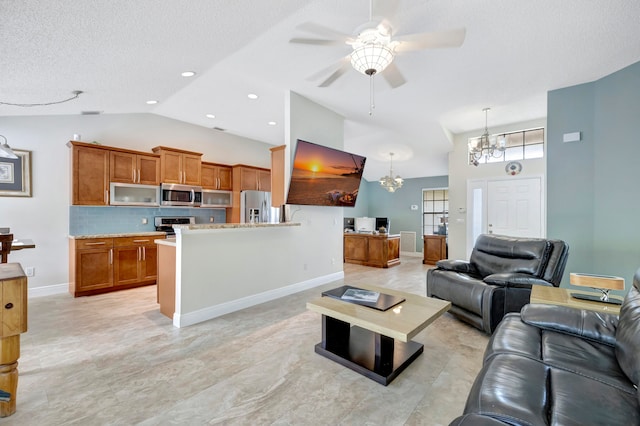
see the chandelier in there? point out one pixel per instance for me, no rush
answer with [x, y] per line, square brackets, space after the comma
[487, 146]
[389, 182]
[5, 149]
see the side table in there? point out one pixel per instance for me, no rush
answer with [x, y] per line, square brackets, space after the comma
[562, 296]
[13, 321]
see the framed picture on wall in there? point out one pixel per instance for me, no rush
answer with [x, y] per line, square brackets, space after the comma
[15, 175]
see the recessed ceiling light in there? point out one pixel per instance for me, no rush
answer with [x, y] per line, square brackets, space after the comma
[188, 73]
[252, 96]
[210, 116]
[272, 123]
[152, 102]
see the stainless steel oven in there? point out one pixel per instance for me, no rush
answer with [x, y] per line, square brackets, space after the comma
[165, 223]
[180, 195]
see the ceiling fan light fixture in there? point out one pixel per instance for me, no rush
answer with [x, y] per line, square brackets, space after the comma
[371, 58]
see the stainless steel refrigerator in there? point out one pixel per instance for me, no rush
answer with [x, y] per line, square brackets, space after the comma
[255, 207]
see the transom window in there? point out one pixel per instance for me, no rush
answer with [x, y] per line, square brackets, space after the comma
[520, 145]
[435, 211]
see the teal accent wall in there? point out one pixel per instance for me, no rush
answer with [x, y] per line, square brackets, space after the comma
[397, 205]
[593, 190]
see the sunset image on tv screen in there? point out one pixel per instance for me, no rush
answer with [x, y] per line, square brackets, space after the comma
[324, 176]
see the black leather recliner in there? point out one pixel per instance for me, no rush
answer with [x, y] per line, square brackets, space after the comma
[498, 277]
[555, 365]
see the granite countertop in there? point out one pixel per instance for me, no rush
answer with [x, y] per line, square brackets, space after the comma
[123, 234]
[234, 225]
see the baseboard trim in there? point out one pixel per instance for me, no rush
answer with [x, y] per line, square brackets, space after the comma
[411, 253]
[211, 312]
[48, 290]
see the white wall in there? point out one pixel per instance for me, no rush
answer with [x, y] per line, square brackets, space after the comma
[44, 217]
[322, 226]
[460, 173]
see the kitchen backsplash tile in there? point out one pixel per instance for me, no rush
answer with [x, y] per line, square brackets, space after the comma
[85, 220]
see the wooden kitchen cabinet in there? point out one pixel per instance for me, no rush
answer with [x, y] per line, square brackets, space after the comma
[90, 174]
[135, 261]
[434, 248]
[99, 265]
[129, 167]
[90, 265]
[247, 178]
[178, 166]
[216, 176]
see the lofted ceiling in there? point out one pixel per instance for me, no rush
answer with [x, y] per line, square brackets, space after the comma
[121, 53]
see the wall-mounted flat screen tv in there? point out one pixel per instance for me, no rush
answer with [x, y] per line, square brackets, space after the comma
[323, 176]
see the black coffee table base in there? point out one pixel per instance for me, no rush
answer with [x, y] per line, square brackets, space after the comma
[371, 354]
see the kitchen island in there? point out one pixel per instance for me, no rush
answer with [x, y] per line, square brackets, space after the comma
[210, 270]
[378, 250]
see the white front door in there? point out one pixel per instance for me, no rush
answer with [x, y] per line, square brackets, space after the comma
[514, 207]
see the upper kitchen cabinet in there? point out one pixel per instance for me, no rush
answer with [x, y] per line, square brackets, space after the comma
[216, 176]
[131, 167]
[90, 174]
[247, 178]
[177, 166]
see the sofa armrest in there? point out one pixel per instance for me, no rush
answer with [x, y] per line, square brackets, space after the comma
[598, 326]
[457, 266]
[515, 279]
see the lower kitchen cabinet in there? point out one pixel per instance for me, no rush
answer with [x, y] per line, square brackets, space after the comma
[135, 261]
[99, 265]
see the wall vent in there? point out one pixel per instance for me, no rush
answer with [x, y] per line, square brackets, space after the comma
[220, 129]
[407, 242]
[90, 112]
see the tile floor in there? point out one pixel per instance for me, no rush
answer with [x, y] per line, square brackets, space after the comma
[113, 359]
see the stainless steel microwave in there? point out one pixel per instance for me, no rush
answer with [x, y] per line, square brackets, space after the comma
[173, 194]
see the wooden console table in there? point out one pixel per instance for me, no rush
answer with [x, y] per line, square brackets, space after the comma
[381, 251]
[434, 248]
[13, 321]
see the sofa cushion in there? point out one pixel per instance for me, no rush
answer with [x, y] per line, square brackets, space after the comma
[628, 332]
[494, 254]
[520, 390]
[581, 356]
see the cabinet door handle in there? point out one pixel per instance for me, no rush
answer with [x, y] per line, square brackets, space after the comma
[144, 253]
[110, 256]
[139, 254]
[133, 175]
[140, 241]
[138, 175]
[95, 244]
[106, 196]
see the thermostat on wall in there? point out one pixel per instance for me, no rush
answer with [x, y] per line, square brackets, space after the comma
[414, 207]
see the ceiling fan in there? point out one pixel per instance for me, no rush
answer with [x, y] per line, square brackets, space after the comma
[374, 47]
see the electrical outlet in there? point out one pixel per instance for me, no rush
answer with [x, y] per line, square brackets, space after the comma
[144, 221]
[211, 219]
[30, 271]
[304, 266]
[333, 260]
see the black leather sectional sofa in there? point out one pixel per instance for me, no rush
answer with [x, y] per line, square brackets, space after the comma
[553, 365]
[498, 277]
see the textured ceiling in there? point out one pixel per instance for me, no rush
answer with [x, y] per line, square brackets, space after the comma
[122, 53]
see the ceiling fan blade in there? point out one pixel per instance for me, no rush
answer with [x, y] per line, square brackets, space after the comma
[337, 70]
[393, 76]
[316, 41]
[449, 38]
[323, 31]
